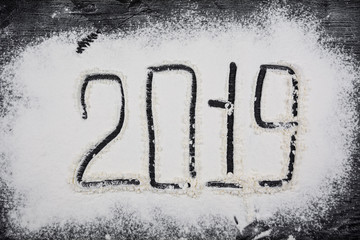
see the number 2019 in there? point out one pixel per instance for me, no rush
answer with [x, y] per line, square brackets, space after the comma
[227, 105]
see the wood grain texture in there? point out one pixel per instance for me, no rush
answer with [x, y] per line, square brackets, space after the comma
[22, 21]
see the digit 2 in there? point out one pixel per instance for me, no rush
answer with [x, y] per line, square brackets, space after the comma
[98, 147]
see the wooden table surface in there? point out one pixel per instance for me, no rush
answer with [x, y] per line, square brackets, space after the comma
[21, 21]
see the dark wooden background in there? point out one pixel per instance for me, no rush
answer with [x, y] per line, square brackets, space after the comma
[21, 21]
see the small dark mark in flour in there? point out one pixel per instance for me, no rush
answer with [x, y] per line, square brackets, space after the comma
[85, 42]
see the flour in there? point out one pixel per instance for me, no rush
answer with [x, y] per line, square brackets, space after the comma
[49, 136]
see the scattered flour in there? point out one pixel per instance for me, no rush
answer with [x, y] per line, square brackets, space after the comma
[48, 137]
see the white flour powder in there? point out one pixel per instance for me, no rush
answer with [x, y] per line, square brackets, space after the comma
[48, 136]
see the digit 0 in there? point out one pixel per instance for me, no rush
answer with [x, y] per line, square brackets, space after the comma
[150, 122]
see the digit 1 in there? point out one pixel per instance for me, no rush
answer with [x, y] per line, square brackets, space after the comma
[150, 123]
[99, 147]
[229, 107]
[281, 125]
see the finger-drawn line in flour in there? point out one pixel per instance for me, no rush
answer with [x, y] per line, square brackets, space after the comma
[220, 184]
[258, 94]
[85, 42]
[150, 122]
[94, 151]
[278, 183]
[228, 105]
[282, 125]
